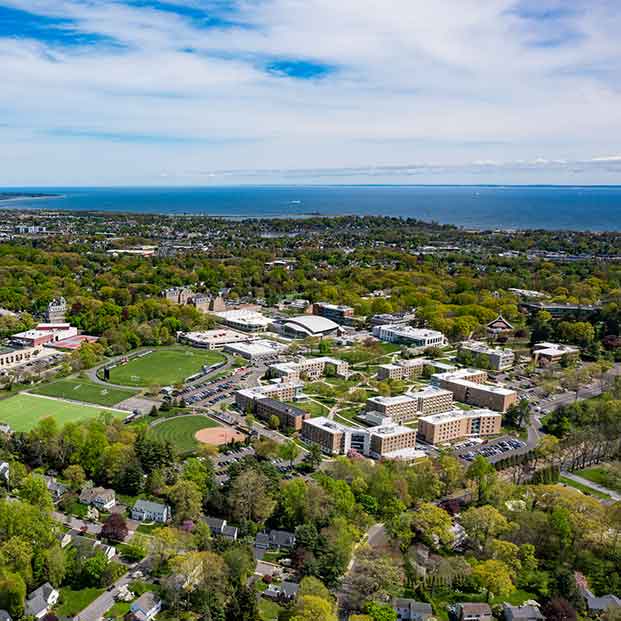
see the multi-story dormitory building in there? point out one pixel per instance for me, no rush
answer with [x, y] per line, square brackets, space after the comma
[401, 370]
[468, 386]
[310, 368]
[390, 441]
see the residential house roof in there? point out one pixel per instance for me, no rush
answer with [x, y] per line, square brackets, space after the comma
[527, 612]
[37, 601]
[149, 506]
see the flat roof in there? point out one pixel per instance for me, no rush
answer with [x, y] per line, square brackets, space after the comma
[391, 400]
[429, 391]
[283, 408]
[390, 430]
[499, 390]
[456, 415]
[410, 331]
[261, 346]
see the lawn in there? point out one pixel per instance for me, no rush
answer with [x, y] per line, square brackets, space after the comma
[23, 411]
[164, 366]
[84, 390]
[584, 488]
[179, 431]
[600, 475]
[72, 602]
[312, 407]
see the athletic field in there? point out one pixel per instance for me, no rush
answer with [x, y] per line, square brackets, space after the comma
[84, 390]
[165, 367]
[180, 431]
[23, 411]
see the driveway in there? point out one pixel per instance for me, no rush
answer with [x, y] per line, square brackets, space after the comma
[76, 523]
[98, 607]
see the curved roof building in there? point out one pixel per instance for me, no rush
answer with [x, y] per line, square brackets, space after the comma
[303, 326]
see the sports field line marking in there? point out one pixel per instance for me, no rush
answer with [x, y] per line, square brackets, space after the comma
[75, 402]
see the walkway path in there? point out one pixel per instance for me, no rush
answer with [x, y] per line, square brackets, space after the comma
[596, 486]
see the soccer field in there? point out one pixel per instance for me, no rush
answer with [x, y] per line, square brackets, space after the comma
[84, 390]
[180, 431]
[164, 366]
[23, 412]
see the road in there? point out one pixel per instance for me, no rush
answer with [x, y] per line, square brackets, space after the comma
[98, 607]
[596, 486]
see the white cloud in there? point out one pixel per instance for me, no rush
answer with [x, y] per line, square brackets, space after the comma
[474, 87]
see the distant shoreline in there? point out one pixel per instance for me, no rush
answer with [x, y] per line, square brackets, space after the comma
[9, 198]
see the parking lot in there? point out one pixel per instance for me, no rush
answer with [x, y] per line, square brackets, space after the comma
[493, 451]
[213, 392]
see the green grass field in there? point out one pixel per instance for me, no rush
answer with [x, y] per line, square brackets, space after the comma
[72, 602]
[23, 412]
[180, 431]
[601, 475]
[84, 390]
[585, 489]
[165, 366]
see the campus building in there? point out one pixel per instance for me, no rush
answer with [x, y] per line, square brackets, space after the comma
[56, 310]
[310, 368]
[406, 335]
[336, 312]
[214, 339]
[545, 354]
[244, 319]
[456, 424]
[11, 357]
[255, 349]
[389, 441]
[496, 358]
[467, 386]
[246, 397]
[202, 301]
[400, 408]
[44, 334]
[432, 400]
[303, 326]
[401, 370]
[290, 417]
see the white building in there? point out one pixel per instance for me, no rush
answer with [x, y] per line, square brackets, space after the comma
[214, 339]
[498, 358]
[245, 320]
[312, 368]
[149, 511]
[255, 350]
[406, 335]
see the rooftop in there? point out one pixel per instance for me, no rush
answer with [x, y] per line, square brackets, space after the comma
[396, 400]
[445, 417]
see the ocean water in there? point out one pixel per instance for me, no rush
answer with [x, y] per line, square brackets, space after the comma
[593, 208]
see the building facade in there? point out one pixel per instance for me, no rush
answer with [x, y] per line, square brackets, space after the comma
[432, 400]
[401, 370]
[406, 335]
[336, 312]
[56, 310]
[400, 409]
[290, 417]
[497, 358]
[449, 426]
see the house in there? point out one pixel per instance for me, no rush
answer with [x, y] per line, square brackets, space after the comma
[274, 540]
[149, 511]
[4, 471]
[595, 604]
[39, 602]
[57, 490]
[89, 547]
[411, 610]
[472, 611]
[220, 528]
[283, 592]
[526, 612]
[5, 428]
[102, 498]
[64, 539]
[5, 616]
[146, 606]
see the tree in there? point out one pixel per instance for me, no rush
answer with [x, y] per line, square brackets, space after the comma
[289, 451]
[250, 497]
[433, 525]
[75, 475]
[12, 593]
[482, 523]
[55, 565]
[114, 528]
[34, 490]
[373, 577]
[381, 612]
[314, 456]
[240, 564]
[559, 609]
[313, 608]
[273, 422]
[16, 555]
[201, 473]
[495, 577]
[186, 499]
[482, 473]
[313, 586]
[518, 415]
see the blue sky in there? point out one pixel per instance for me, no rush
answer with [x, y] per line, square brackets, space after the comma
[193, 92]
